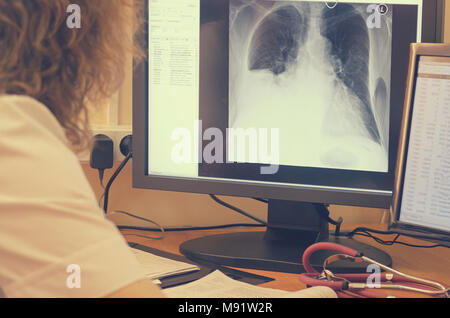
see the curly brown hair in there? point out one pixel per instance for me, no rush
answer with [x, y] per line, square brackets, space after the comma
[66, 68]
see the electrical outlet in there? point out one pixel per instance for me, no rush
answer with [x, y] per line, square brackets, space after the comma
[116, 133]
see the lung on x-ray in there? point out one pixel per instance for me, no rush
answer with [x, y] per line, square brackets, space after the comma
[320, 74]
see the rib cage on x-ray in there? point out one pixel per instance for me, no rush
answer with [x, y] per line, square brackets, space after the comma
[275, 44]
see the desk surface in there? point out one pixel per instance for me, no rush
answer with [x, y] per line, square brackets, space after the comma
[428, 263]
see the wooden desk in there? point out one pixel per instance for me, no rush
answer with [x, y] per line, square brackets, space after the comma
[433, 263]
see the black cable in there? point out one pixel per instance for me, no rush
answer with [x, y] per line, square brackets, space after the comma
[111, 180]
[362, 231]
[325, 214]
[105, 197]
[180, 229]
[323, 210]
[159, 229]
[365, 229]
[229, 206]
[189, 228]
[101, 173]
[367, 232]
[261, 200]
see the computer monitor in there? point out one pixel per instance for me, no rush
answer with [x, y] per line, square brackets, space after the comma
[421, 201]
[297, 102]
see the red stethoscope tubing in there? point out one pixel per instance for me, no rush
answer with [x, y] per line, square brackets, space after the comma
[310, 278]
[324, 246]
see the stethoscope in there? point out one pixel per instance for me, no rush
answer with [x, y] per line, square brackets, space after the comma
[357, 285]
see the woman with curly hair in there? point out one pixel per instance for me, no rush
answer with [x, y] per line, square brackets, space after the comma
[50, 223]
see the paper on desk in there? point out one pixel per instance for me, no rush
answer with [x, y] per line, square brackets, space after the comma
[218, 285]
[157, 267]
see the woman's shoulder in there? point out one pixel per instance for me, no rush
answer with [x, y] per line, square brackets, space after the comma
[25, 113]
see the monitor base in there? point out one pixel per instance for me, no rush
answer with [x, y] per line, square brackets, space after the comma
[251, 250]
[291, 228]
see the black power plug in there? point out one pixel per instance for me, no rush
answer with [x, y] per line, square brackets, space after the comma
[102, 154]
[126, 145]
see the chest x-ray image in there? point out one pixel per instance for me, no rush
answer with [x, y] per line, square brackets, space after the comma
[320, 74]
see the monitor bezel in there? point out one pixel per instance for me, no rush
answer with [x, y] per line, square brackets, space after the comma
[433, 234]
[309, 193]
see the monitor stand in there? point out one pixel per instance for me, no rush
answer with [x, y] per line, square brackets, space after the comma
[292, 227]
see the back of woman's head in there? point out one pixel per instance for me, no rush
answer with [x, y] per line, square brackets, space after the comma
[65, 67]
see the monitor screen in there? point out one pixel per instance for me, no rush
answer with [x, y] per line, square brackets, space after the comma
[278, 92]
[298, 102]
[427, 175]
